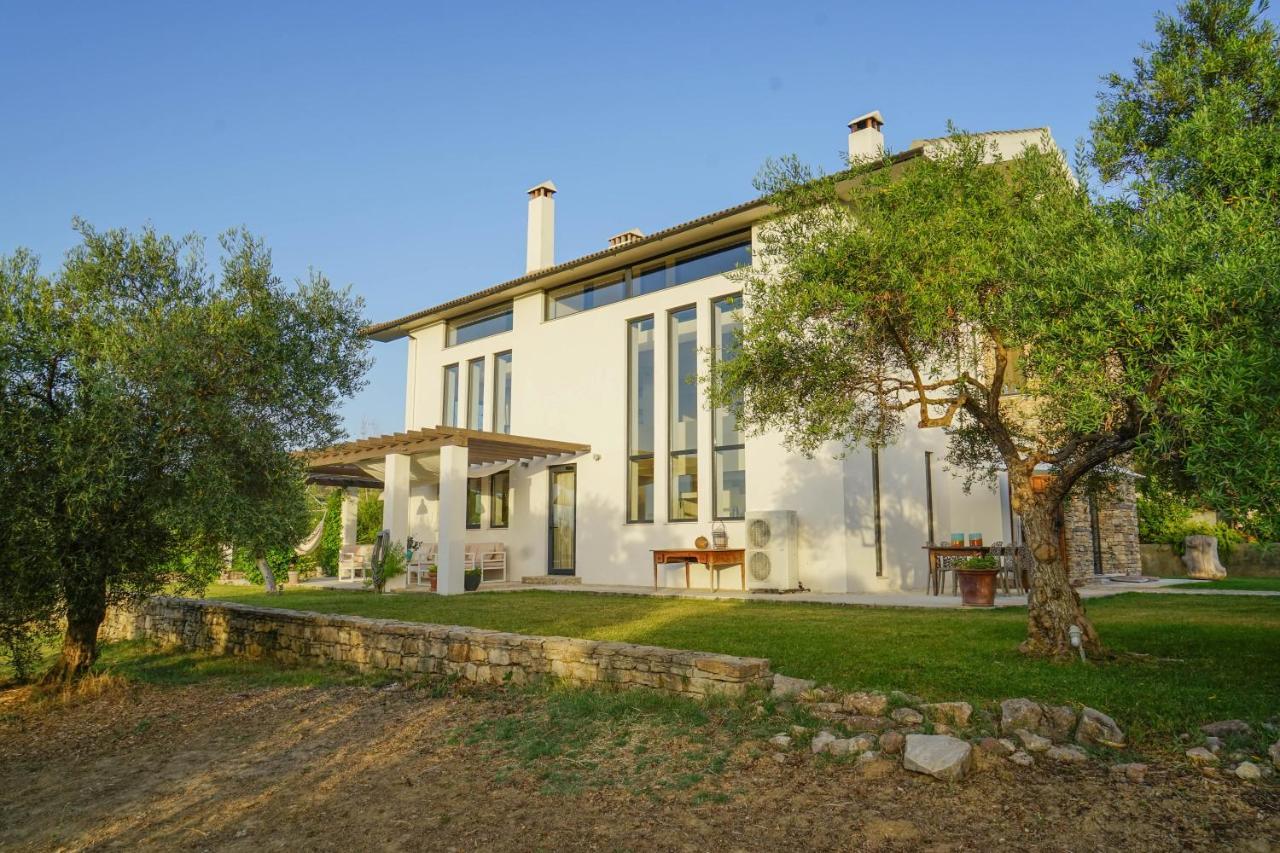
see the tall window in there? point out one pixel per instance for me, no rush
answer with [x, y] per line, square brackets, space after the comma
[502, 392]
[640, 415]
[481, 324]
[683, 410]
[729, 461]
[475, 393]
[475, 502]
[449, 416]
[500, 499]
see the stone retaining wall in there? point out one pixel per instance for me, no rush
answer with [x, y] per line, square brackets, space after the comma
[1247, 560]
[475, 654]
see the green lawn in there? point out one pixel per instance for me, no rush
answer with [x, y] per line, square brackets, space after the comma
[1265, 584]
[1188, 659]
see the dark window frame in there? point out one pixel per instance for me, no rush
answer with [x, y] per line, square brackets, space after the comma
[631, 457]
[479, 495]
[716, 449]
[497, 390]
[506, 500]
[672, 391]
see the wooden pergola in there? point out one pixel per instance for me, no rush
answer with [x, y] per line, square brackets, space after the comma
[482, 447]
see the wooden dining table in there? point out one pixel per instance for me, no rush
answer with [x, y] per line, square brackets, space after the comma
[937, 552]
[709, 557]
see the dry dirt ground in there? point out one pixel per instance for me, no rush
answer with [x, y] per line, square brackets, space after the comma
[212, 767]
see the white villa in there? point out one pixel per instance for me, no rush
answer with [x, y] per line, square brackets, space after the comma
[554, 417]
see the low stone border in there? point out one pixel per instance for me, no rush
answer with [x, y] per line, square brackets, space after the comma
[473, 654]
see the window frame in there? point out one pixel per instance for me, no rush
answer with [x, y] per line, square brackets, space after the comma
[453, 324]
[479, 494]
[506, 500]
[716, 447]
[672, 393]
[475, 401]
[445, 403]
[629, 457]
[498, 389]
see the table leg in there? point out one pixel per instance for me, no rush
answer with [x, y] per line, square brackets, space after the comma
[743, 567]
[686, 574]
[655, 571]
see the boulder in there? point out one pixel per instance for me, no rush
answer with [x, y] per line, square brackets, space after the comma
[780, 742]
[1019, 714]
[872, 704]
[1056, 722]
[821, 741]
[940, 756]
[1227, 728]
[1201, 558]
[1248, 771]
[955, 713]
[907, 717]
[892, 742]
[1200, 755]
[1022, 759]
[1274, 752]
[1097, 729]
[1134, 772]
[1068, 754]
[1033, 742]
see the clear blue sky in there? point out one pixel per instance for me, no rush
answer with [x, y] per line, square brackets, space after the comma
[390, 145]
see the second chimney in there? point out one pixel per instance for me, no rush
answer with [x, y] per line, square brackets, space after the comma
[541, 248]
[625, 238]
[866, 141]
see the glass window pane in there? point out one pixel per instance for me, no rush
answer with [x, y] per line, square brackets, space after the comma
[502, 392]
[640, 489]
[475, 501]
[651, 279]
[640, 387]
[583, 297]
[482, 324]
[684, 487]
[712, 263]
[500, 490]
[731, 483]
[449, 414]
[683, 404]
[475, 393]
[728, 324]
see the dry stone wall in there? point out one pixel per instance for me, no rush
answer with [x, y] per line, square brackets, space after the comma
[1117, 521]
[412, 648]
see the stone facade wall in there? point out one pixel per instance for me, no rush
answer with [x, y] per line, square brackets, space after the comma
[474, 654]
[1117, 528]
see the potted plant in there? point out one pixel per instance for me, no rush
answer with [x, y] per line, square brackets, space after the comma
[977, 576]
[431, 577]
[471, 580]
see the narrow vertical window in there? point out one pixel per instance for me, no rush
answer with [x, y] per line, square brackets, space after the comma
[500, 499]
[475, 393]
[729, 458]
[683, 410]
[502, 392]
[449, 416]
[475, 502]
[640, 416]
[875, 497]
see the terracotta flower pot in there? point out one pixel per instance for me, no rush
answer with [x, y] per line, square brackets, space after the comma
[977, 588]
[431, 580]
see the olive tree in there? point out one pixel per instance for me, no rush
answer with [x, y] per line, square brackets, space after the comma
[150, 411]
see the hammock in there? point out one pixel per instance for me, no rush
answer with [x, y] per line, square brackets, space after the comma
[306, 546]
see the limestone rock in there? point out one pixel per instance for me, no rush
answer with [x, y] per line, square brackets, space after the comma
[1056, 722]
[872, 704]
[907, 717]
[1200, 755]
[1019, 714]
[1033, 742]
[841, 746]
[1213, 744]
[939, 756]
[1008, 744]
[993, 746]
[1274, 752]
[821, 741]
[1134, 772]
[904, 698]
[785, 685]
[943, 729]
[1201, 558]
[1227, 728]
[1097, 729]
[781, 742]
[866, 723]
[863, 742]
[955, 713]
[892, 742]
[1248, 771]
[869, 755]
[1068, 754]
[1022, 759]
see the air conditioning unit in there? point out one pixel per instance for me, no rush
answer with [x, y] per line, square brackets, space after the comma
[773, 544]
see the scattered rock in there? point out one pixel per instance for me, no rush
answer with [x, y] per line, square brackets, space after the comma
[1008, 744]
[939, 756]
[785, 685]
[826, 709]
[799, 731]
[1056, 722]
[871, 704]
[841, 746]
[782, 742]
[1200, 755]
[818, 694]
[780, 757]
[1135, 772]
[907, 717]
[863, 742]
[869, 755]
[943, 729]
[1019, 714]
[1274, 752]
[1033, 742]
[892, 742]
[1022, 759]
[954, 713]
[1070, 754]
[867, 724]
[821, 741]
[1226, 728]
[1213, 744]
[993, 746]
[1248, 771]
[904, 698]
[1097, 729]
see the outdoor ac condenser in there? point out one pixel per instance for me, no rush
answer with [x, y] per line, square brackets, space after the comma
[773, 544]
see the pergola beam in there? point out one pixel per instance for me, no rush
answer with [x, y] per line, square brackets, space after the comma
[483, 447]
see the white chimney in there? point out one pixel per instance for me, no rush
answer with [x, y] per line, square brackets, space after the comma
[625, 238]
[541, 248]
[866, 142]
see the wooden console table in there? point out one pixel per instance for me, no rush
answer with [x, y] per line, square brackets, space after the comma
[709, 557]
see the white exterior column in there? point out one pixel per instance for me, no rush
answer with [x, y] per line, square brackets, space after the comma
[395, 497]
[350, 501]
[452, 520]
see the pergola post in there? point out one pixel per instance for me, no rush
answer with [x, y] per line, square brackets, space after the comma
[452, 524]
[350, 504]
[395, 500]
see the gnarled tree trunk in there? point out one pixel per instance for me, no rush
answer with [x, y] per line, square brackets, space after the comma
[1053, 605]
[268, 576]
[80, 640]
